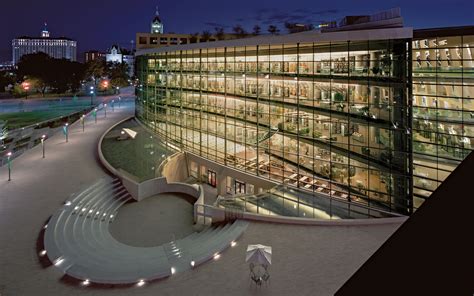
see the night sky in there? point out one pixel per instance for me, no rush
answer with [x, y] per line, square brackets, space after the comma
[97, 24]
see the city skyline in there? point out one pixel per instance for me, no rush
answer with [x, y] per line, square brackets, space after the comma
[100, 32]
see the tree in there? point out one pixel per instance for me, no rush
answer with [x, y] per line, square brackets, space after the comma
[220, 35]
[95, 69]
[118, 74]
[256, 30]
[6, 79]
[194, 38]
[206, 35]
[60, 75]
[239, 31]
[273, 30]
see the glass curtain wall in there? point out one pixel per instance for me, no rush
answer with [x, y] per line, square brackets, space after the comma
[443, 109]
[331, 118]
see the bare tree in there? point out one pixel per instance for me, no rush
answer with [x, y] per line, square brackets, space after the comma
[273, 30]
[239, 31]
[205, 36]
[219, 33]
[194, 38]
[256, 30]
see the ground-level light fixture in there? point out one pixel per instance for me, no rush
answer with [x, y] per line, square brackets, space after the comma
[140, 283]
[173, 270]
[233, 243]
[217, 256]
[86, 282]
[66, 131]
[43, 137]
[42, 253]
[193, 263]
[9, 165]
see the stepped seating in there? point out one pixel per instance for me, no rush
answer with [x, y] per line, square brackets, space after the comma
[78, 241]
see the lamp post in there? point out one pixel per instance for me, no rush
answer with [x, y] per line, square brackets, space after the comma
[92, 95]
[26, 87]
[105, 110]
[66, 131]
[82, 121]
[43, 137]
[113, 105]
[118, 90]
[120, 100]
[9, 164]
[94, 113]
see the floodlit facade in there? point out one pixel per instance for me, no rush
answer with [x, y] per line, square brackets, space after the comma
[327, 113]
[58, 48]
[443, 104]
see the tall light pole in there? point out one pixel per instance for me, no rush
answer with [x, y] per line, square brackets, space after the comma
[120, 100]
[65, 130]
[43, 137]
[9, 164]
[105, 110]
[113, 105]
[94, 113]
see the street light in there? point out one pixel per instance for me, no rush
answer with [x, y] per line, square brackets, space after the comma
[26, 87]
[43, 137]
[120, 99]
[92, 94]
[94, 113]
[113, 105]
[82, 121]
[9, 164]
[65, 130]
[105, 109]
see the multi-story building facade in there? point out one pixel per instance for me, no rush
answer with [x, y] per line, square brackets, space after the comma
[443, 104]
[92, 55]
[59, 48]
[328, 113]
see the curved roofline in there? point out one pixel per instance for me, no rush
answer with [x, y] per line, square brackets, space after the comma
[303, 37]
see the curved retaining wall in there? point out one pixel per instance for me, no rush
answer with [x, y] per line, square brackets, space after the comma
[148, 188]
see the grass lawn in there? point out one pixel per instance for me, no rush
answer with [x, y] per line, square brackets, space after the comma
[21, 119]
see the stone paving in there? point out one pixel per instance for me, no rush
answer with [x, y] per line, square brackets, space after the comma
[307, 260]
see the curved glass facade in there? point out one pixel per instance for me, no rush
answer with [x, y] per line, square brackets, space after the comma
[443, 105]
[327, 117]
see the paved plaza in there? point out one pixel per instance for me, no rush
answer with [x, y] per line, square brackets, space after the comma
[307, 260]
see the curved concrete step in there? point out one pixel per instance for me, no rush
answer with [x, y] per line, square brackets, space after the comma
[78, 241]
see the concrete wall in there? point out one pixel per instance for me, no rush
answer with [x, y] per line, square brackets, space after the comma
[175, 168]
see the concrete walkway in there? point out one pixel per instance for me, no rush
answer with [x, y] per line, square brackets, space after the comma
[307, 260]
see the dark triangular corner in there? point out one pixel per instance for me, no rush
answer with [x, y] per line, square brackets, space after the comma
[432, 253]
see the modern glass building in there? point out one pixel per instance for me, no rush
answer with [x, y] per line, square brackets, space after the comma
[443, 104]
[327, 113]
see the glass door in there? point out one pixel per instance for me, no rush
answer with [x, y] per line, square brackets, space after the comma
[239, 187]
[211, 178]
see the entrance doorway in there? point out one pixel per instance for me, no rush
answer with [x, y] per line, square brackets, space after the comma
[239, 187]
[211, 178]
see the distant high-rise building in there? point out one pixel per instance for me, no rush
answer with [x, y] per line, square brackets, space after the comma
[59, 48]
[92, 55]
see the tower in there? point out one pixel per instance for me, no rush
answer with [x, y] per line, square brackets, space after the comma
[156, 24]
[45, 32]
